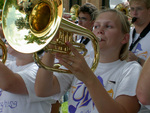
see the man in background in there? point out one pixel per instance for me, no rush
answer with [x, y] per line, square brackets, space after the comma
[139, 47]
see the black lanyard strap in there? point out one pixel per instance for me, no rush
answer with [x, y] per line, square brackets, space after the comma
[85, 41]
[142, 35]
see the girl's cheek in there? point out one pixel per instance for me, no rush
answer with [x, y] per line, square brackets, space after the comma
[94, 31]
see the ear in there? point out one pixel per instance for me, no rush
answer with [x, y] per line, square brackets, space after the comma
[125, 38]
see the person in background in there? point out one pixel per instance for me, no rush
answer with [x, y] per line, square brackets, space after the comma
[139, 36]
[140, 33]
[17, 78]
[87, 15]
[111, 88]
[86, 18]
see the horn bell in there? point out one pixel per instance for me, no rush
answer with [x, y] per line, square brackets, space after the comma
[30, 25]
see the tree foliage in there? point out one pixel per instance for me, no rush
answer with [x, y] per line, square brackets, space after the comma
[1, 4]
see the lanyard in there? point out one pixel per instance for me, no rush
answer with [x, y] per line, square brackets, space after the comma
[84, 41]
[142, 35]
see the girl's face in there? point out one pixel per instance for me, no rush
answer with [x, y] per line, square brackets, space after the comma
[108, 27]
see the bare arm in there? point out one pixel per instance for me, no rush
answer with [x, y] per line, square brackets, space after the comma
[100, 97]
[122, 104]
[46, 84]
[143, 85]
[10, 81]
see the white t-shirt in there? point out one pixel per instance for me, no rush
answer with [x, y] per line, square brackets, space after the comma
[147, 106]
[90, 49]
[16, 103]
[118, 78]
[142, 48]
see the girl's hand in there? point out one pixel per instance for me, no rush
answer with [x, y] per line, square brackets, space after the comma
[75, 63]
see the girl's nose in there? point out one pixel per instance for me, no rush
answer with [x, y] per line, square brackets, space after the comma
[101, 30]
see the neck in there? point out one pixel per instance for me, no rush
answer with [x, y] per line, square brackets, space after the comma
[24, 61]
[107, 57]
[139, 29]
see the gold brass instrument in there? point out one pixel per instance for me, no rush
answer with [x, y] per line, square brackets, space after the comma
[30, 26]
[74, 10]
[123, 8]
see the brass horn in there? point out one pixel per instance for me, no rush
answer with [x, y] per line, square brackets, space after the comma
[74, 10]
[30, 25]
[123, 8]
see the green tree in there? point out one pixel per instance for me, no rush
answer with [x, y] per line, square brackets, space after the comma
[1, 4]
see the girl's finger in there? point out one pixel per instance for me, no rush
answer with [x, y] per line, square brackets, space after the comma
[66, 57]
[73, 49]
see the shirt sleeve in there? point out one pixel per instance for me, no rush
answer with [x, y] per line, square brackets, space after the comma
[128, 82]
[65, 81]
[29, 76]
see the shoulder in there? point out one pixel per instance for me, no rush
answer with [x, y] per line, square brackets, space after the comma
[131, 69]
[10, 63]
[128, 69]
[32, 65]
[132, 65]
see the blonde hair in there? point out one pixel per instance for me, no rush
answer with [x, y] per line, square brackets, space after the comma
[125, 29]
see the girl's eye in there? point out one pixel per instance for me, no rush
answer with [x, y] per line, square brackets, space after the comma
[108, 26]
[96, 26]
